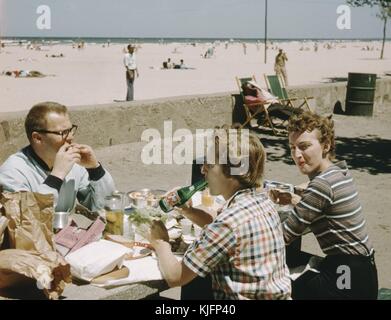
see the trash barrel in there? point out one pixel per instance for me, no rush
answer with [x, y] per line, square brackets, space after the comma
[360, 94]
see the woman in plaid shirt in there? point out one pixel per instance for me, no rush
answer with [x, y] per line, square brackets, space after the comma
[331, 209]
[243, 247]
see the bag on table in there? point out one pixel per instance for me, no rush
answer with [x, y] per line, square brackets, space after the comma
[29, 255]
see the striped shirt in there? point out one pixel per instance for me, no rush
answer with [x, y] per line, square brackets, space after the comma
[243, 249]
[330, 207]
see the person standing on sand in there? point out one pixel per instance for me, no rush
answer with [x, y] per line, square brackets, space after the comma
[244, 48]
[279, 66]
[131, 71]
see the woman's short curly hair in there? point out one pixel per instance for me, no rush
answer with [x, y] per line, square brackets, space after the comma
[308, 121]
[240, 148]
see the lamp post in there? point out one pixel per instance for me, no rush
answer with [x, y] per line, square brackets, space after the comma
[265, 31]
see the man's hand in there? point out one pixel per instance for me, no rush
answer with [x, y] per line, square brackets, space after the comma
[87, 156]
[65, 158]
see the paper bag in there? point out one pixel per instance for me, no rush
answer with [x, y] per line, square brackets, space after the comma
[29, 232]
[30, 215]
[21, 267]
[3, 225]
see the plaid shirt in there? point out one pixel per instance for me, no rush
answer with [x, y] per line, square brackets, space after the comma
[244, 250]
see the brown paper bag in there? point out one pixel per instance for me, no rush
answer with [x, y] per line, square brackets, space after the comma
[3, 225]
[46, 272]
[30, 215]
[30, 233]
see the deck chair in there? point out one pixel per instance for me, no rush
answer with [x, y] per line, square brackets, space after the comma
[275, 86]
[260, 108]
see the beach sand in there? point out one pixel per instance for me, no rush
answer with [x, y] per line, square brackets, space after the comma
[95, 75]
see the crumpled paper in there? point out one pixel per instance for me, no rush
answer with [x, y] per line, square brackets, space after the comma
[3, 225]
[18, 267]
[30, 251]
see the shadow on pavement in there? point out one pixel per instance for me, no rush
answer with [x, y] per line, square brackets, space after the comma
[369, 154]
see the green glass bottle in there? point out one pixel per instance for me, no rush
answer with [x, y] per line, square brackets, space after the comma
[181, 196]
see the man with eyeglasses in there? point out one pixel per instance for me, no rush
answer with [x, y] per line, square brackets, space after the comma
[54, 163]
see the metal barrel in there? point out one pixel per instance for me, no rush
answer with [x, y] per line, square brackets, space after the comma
[360, 94]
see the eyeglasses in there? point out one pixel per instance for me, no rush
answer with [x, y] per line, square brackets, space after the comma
[64, 133]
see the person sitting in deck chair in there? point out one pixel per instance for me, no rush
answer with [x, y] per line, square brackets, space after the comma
[254, 94]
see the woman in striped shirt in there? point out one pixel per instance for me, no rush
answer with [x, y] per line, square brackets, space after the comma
[331, 209]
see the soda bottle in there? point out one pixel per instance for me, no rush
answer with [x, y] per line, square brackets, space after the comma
[181, 196]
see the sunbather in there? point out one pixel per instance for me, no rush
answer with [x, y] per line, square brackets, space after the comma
[255, 95]
[24, 74]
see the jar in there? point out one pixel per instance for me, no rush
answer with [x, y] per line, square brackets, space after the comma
[114, 215]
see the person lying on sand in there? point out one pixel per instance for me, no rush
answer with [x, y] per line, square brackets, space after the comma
[55, 56]
[181, 65]
[24, 74]
[26, 59]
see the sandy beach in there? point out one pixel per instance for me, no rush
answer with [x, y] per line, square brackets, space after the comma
[95, 74]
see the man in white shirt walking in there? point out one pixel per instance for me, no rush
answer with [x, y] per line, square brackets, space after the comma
[131, 71]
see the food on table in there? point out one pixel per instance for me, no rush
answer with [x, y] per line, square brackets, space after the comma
[146, 197]
[146, 215]
[115, 222]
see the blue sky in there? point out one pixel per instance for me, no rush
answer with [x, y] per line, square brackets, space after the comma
[187, 18]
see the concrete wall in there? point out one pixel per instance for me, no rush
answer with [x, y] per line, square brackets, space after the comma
[111, 124]
[327, 95]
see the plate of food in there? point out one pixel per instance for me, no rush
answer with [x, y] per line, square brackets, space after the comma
[145, 197]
